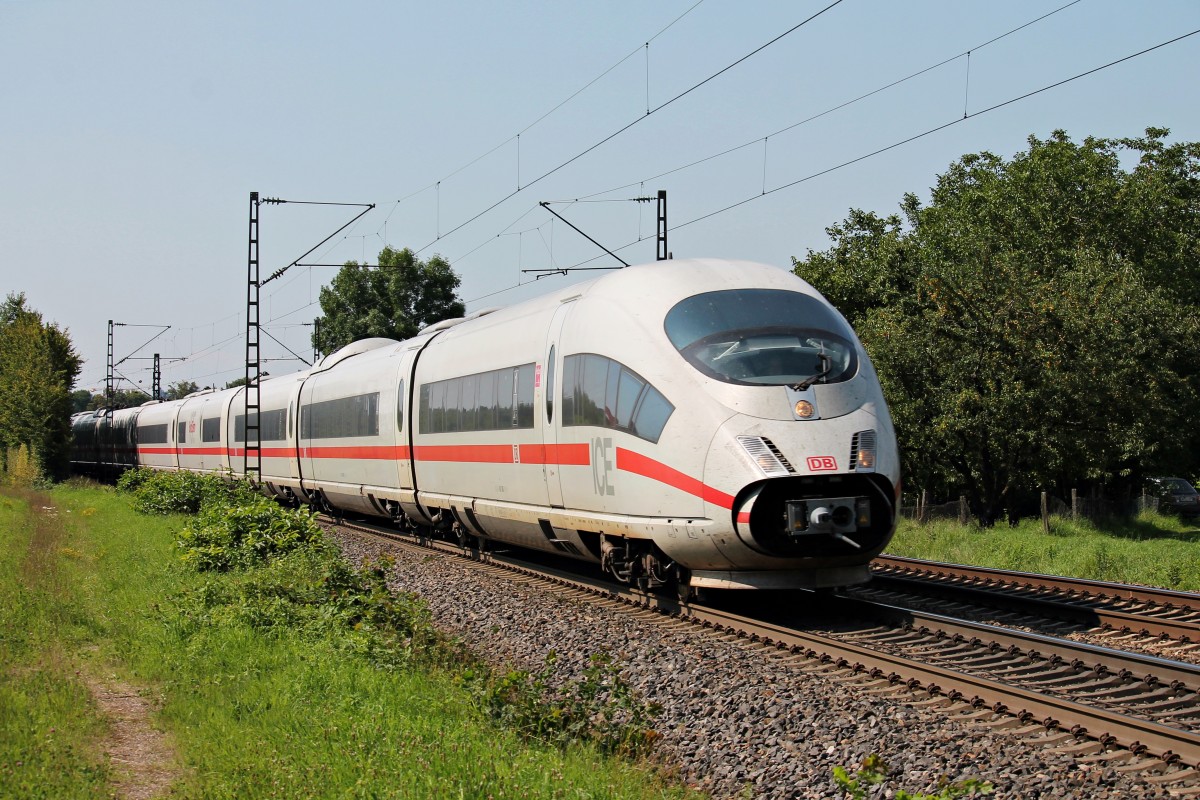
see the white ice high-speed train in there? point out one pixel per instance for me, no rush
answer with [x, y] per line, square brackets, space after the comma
[715, 423]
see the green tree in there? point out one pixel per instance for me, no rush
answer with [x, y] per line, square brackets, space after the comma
[181, 389]
[122, 398]
[79, 400]
[1034, 326]
[395, 300]
[38, 367]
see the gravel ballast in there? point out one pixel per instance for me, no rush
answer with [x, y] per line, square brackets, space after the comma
[734, 723]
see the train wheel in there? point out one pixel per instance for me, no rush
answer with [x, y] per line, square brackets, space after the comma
[684, 591]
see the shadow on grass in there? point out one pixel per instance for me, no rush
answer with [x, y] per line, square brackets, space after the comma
[1144, 527]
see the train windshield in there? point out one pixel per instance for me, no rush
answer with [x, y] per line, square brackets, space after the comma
[763, 337]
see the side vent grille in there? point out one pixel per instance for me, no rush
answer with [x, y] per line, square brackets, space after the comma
[764, 453]
[862, 451]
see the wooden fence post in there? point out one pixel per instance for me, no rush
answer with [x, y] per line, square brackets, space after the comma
[921, 507]
[962, 509]
[1045, 512]
[1074, 505]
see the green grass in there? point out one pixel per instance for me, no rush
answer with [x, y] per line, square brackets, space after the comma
[49, 730]
[1151, 549]
[253, 709]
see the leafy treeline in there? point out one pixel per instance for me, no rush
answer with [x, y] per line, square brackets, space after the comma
[38, 367]
[84, 400]
[394, 299]
[1035, 326]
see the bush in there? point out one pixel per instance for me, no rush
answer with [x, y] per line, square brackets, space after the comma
[874, 770]
[600, 708]
[22, 468]
[227, 535]
[132, 479]
[313, 592]
[181, 492]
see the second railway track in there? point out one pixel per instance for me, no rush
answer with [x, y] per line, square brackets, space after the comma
[1161, 621]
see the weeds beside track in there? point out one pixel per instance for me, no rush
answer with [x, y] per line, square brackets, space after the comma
[270, 679]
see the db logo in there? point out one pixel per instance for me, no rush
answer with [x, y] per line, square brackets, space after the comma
[822, 463]
[192, 429]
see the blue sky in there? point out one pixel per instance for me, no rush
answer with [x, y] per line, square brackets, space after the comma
[133, 132]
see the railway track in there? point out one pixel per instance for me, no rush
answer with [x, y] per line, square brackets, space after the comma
[1099, 705]
[1114, 610]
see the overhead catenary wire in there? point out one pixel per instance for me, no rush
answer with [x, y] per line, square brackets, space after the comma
[630, 124]
[591, 197]
[165, 328]
[893, 146]
[285, 347]
[764, 188]
[832, 109]
[516, 137]
[650, 111]
[942, 127]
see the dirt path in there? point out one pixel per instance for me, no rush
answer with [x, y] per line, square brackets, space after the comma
[144, 763]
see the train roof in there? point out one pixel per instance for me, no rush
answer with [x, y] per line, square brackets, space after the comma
[654, 288]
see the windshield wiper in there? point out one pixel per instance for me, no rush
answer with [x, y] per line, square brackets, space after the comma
[826, 368]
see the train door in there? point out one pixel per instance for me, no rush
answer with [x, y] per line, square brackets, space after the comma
[293, 436]
[173, 432]
[404, 387]
[551, 407]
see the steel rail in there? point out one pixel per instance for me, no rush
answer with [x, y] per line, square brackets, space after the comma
[1067, 609]
[1034, 581]
[1140, 736]
[1148, 668]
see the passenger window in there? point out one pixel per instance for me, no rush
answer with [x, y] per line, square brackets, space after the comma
[437, 408]
[485, 415]
[610, 394]
[525, 396]
[506, 393]
[627, 397]
[469, 386]
[568, 391]
[602, 392]
[592, 386]
[453, 406]
[652, 415]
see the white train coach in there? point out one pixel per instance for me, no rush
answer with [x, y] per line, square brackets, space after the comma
[704, 422]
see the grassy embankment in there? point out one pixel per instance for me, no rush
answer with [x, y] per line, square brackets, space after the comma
[263, 684]
[1151, 549]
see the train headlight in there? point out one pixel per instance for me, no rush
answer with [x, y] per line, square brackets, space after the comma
[862, 452]
[769, 460]
[804, 409]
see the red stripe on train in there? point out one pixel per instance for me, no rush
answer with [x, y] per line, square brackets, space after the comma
[365, 452]
[265, 452]
[647, 467]
[571, 455]
[561, 454]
